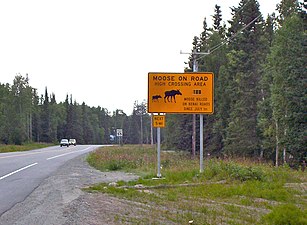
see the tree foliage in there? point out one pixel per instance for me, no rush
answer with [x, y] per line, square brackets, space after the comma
[260, 83]
[26, 117]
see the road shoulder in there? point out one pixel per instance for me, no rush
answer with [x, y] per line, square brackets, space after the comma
[58, 198]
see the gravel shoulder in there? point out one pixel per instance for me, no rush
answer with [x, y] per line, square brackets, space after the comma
[60, 200]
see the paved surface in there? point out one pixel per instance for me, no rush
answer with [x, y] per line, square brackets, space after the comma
[22, 172]
[58, 199]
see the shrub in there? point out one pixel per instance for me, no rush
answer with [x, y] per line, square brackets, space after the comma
[287, 214]
[244, 173]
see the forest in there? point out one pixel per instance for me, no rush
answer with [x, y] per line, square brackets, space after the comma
[259, 65]
[27, 117]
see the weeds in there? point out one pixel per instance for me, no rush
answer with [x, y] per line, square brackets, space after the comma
[286, 214]
[226, 192]
[25, 147]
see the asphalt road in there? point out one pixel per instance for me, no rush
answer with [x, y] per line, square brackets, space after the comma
[22, 172]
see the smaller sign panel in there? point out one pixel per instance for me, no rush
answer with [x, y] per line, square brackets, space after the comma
[158, 121]
[119, 132]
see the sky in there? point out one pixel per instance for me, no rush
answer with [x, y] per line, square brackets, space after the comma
[99, 51]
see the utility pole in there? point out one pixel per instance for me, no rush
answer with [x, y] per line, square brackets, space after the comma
[201, 119]
[195, 69]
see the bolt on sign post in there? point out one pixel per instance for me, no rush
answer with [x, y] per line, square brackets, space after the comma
[182, 93]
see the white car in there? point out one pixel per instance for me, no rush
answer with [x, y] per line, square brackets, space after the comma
[64, 142]
[72, 142]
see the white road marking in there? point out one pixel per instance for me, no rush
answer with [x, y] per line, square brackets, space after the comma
[57, 156]
[16, 171]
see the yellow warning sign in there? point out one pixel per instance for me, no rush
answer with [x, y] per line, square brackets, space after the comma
[158, 121]
[181, 93]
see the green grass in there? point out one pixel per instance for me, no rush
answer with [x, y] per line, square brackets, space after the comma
[286, 214]
[24, 147]
[229, 192]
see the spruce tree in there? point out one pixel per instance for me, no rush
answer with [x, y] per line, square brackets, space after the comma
[88, 132]
[54, 120]
[265, 122]
[36, 118]
[217, 21]
[244, 68]
[45, 119]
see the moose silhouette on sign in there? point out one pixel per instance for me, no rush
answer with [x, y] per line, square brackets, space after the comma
[170, 95]
[155, 98]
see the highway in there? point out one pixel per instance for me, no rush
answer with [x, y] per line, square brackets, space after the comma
[22, 172]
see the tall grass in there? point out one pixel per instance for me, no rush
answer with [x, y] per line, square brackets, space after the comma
[237, 192]
[24, 147]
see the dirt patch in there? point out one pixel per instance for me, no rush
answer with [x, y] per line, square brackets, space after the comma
[97, 208]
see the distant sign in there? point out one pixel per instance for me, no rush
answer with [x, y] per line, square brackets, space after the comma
[180, 93]
[119, 132]
[158, 121]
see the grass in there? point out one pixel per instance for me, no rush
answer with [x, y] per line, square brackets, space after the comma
[227, 192]
[24, 147]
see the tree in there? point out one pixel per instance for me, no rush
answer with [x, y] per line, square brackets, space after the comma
[287, 63]
[217, 20]
[54, 119]
[287, 8]
[104, 123]
[88, 132]
[36, 118]
[178, 132]
[244, 66]
[140, 110]
[132, 133]
[45, 119]
[265, 122]
[20, 110]
[213, 62]
[5, 99]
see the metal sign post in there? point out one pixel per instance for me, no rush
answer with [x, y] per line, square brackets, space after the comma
[158, 122]
[158, 152]
[201, 143]
[119, 134]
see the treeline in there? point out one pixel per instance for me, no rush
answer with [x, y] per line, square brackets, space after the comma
[260, 84]
[260, 94]
[27, 117]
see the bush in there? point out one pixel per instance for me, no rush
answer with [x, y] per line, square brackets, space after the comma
[287, 214]
[244, 173]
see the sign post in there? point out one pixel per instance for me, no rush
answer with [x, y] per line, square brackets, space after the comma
[158, 122]
[158, 152]
[119, 134]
